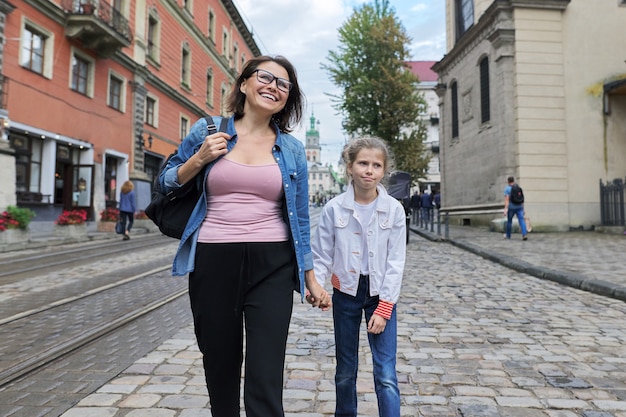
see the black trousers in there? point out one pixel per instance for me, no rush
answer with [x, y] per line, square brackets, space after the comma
[237, 286]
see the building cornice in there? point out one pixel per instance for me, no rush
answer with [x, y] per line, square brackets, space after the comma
[241, 26]
[492, 24]
[6, 7]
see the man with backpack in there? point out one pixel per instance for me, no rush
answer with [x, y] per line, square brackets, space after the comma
[514, 206]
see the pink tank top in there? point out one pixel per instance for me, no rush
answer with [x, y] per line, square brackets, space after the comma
[244, 204]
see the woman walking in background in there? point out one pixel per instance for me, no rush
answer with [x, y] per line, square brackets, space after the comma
[127, 207]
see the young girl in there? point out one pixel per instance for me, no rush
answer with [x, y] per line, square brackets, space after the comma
[360, 245]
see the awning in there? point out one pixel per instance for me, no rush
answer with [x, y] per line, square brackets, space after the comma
[44, 134]
[615, 87]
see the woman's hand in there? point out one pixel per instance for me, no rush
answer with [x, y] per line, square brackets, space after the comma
[316, 295]
[213, 146]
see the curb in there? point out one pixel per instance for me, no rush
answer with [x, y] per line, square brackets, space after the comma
[571, 279]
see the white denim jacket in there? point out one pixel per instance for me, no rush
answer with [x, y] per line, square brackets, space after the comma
[337, 245]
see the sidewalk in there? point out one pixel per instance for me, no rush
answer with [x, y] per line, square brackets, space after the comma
[586, 260]
[41, 235]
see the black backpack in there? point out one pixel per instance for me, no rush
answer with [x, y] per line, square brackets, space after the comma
[171, 211]
[517, 195]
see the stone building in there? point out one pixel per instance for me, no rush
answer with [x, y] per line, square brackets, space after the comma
[427, 87]
[324, 181]
[534, 89]
[95, 93]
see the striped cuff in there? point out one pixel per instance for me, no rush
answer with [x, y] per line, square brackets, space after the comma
[384, 309]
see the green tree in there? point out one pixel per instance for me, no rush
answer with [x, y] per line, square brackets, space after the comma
[379, 92]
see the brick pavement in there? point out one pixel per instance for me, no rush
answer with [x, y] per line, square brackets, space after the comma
[476, 339]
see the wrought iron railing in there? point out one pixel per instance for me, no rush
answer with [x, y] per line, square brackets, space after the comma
[101, 10]
[612, 203]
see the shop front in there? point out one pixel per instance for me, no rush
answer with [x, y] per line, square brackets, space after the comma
[52, 172]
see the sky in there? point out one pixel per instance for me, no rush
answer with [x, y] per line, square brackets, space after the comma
[304, 31]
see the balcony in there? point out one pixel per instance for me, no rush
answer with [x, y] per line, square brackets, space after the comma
[97, 25]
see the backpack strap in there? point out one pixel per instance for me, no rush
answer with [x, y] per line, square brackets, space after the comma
[212, 128]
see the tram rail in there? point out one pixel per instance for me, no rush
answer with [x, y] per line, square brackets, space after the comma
[55, 310]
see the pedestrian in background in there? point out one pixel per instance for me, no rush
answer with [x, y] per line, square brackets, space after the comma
[514, 206]
[415, 205]
[427, 206]
[127, 207]
[247, 246]
[367, 222]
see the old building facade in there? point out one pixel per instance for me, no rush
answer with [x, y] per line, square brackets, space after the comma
[534, 89]
[96, 93]
[427, 86]
[324, 180]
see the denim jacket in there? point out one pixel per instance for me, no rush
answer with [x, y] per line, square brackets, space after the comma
[337, 246]
[291, 159]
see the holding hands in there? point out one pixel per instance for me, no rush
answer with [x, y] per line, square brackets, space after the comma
[316, 295]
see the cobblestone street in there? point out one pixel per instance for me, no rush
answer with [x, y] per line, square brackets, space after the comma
[475, 339]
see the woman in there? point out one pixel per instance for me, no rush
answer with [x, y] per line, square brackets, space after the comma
[127, 207]
[246, 246]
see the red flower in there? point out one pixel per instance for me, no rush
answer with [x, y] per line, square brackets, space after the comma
[109, 214]
[72, 217]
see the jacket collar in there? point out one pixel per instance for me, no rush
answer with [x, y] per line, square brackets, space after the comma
[382, 203]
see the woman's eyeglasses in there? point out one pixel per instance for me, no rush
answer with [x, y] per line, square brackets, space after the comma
[266, 77]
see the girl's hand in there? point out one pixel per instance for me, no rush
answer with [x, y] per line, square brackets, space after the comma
[377, 324]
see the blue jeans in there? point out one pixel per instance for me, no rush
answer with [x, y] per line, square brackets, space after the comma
[347, 316]
[515, 211]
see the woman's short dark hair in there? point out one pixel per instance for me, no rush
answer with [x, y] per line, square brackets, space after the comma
[291, 115]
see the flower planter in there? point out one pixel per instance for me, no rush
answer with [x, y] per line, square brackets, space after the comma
[106, 227]
[71, 231]
[13, 236]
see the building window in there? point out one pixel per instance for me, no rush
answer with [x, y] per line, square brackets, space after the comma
[185, 65]
[36, 48]
[212, 26]
[455, 109]
[82, 76]
[224, 94]
[188, 6]
[485, 104]
[184, 127]
[116, 88]
[225, 44]
[150, 111]
[33, 48]
[209, 88]
[154, 31]
[464, 16]
[236, 57]
[28, 153]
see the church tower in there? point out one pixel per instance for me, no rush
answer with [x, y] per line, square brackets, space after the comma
[313, 148]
